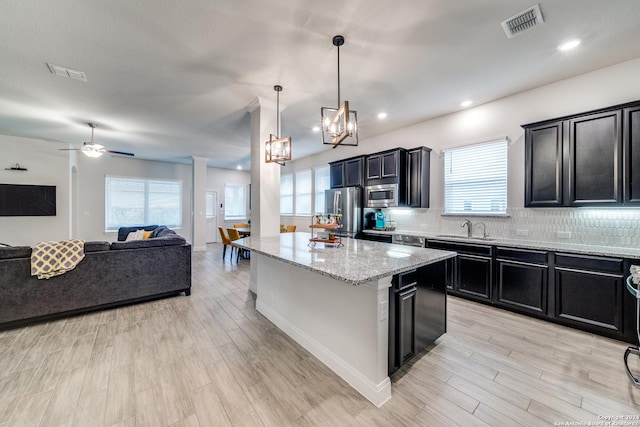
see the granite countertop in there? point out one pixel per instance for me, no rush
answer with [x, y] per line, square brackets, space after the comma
[613, 251]
[355, 263]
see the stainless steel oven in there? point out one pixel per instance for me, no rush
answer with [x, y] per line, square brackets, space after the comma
[382, 196]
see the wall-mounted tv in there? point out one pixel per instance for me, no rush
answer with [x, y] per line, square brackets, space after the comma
[27, 200]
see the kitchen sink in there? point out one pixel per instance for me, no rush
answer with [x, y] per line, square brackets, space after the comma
[459, 236]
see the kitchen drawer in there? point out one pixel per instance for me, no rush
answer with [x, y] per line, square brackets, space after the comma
[538, 257]
[589, 262]
[465, 248]
[404, 280]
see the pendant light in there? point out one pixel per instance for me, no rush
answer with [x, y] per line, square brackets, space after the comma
[277, 150]
[339, 125]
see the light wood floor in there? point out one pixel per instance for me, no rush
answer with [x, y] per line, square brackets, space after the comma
[211, 360]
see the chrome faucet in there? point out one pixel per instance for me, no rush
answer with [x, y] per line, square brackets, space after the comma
[484, 229]
[469, 227]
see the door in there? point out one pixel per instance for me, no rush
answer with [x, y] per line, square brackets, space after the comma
[211, 203]
[595, 170]
[406, 333]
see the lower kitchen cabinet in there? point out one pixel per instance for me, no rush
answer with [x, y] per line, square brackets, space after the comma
[417, 312]
[522, 279]
[474, 276]
[586, 292]
[589, 292]
[471, 272]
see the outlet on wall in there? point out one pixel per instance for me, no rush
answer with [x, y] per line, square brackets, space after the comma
[563, 234]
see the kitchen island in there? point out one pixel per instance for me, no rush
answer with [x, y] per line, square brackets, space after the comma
[334, 301]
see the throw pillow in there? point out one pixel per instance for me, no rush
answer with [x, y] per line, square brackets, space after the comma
[135, 235]
[147, 234]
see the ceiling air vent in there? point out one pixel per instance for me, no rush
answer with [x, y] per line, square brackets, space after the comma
[523, 21]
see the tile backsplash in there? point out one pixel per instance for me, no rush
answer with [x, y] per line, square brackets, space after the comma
[590, 226]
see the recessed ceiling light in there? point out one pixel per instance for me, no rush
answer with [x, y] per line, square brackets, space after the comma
[239, 167]
[316, 128]
[382, 115]
[466, 103]
[569, 45]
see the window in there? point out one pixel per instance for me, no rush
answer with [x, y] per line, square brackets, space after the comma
[475, 179]
[235, 201]
[286, 194]
[137, 201]
[321, 184]
[303, 192]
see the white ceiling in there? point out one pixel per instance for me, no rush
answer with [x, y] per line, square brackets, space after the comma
[169, 79]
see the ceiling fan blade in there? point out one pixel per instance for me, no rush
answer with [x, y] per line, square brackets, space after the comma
[68, 149]
[121, 153]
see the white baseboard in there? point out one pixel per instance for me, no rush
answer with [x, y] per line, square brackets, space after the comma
[377, 394]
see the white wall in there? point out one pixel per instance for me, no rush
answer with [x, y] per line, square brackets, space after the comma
[504, 117]
[216, 179]
[46, 166]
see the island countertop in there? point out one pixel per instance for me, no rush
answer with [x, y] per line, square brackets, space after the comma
[357, 262]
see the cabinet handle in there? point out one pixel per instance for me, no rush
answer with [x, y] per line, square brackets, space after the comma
[407, 292]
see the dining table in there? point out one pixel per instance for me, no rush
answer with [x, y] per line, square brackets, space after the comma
[244, 232]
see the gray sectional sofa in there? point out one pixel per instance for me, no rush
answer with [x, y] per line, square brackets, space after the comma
[110, 275]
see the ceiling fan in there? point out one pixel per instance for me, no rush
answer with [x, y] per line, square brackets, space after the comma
[93, 150]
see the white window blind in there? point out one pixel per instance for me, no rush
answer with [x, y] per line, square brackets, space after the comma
[235, 202]
[286, 194]
[136, 201]
[321, 184]
[475, 179]
[302, 205]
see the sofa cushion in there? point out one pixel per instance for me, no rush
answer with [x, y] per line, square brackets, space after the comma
[123, 232]
[10, 252]
[157, 230]
[96, 246]
[166, 232]
[173, 240]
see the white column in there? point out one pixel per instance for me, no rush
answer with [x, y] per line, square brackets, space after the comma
[198, 200]
[265, 177]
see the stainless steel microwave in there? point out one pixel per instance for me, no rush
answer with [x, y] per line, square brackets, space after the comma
[382, 196]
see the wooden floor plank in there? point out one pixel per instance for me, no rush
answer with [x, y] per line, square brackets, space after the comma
[211, 359]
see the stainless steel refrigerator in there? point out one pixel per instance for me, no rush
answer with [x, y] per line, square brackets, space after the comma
[348, 202]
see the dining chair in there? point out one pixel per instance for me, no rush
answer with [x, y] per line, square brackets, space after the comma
[234, 235]
[241, 225]
[282, 228]
[291, 228]
[225, 241]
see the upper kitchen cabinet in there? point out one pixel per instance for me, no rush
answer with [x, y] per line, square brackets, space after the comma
[595, 159]
[543, 159]
[347, 173]
[584, 160]
[418, 169]
[631, 168]
[387, 167]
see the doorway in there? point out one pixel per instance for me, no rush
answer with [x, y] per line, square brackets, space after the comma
[211, 203]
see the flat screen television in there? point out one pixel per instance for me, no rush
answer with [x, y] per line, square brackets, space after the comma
[27, 200]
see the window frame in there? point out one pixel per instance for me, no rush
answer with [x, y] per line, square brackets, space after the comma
[146, 181]
[297, 193]
[499, 182]
[245, 213]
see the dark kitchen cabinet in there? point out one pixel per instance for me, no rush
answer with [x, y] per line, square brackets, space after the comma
[595, 156]
[472, 269]
[522, 279]
[387, 167]
[587, 159]
[347, 173]
[631, 167]
[418, 170]
[589, 293]
[544, 164]
[417, 312]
